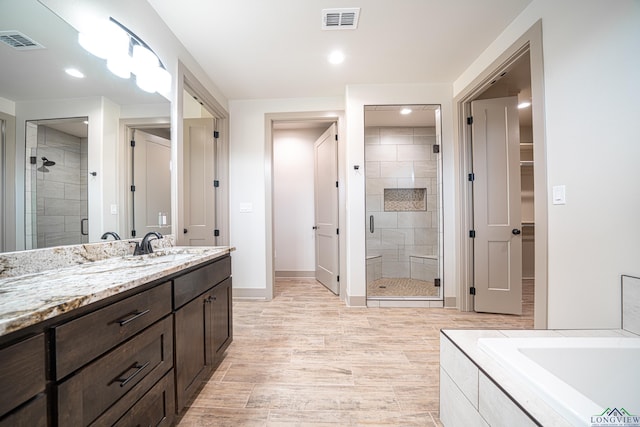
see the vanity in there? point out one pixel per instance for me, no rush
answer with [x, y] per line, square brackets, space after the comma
[110, 338]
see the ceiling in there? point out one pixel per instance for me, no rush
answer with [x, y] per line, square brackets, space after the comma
[277, 49]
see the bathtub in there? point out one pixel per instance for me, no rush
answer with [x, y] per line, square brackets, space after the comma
[582, 378]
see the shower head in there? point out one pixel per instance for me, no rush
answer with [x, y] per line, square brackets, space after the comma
[47, 162]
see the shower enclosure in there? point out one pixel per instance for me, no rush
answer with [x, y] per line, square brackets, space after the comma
[403, 204]
[56, 197]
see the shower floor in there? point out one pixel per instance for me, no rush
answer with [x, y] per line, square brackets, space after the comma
[402, 287]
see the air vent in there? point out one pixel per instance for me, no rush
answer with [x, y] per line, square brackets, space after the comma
[340, 19]
[19, 41]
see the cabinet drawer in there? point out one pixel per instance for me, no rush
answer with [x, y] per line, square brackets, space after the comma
[83, 339]
[189, 286]
[127, 372]
[156, 408]
[22, 369]
[33, 414]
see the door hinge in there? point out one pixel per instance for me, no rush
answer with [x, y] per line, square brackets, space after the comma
[472, 177]
[133, 233]
[436, 283]
[436, 148]
[216, 183]
[336, 137]
[337, 231]
[216, 233]
[472, 290]
[472, 234]
[338, 278]
[133, 143]
[336, 184]
[133, 188]
[470, 120]
[216, 134]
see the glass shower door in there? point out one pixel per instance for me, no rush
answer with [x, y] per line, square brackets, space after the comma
[403, 203]
[56, 196]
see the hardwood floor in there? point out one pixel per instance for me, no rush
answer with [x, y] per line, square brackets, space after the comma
[305, 359]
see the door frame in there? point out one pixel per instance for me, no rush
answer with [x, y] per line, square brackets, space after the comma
[531, 42]
[187, 81]
[305, 116]
[127, 126]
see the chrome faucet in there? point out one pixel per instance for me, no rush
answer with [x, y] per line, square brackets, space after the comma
[144, 247]
[110, 233]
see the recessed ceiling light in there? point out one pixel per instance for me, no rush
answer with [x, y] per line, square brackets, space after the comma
[336, 57]
[74, 72]
[406, 111]
[524, 104]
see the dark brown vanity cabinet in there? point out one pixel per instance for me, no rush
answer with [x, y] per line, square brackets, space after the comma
[203, 326]
[108, 361]
[22, 370]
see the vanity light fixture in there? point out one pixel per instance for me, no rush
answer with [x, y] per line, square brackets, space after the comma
[126, 53]
[406, 111]
[74, 72]
[524, 104]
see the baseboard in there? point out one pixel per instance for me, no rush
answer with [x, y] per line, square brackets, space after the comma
[356, 301]
[450, 302]
[293, 273]
[249, 293]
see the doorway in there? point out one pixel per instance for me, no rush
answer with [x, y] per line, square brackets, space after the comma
[499, 81]
[403, 205]
[149, 180]
[305, 200]
[304, 232]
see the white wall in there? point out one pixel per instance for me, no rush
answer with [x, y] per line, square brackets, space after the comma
[247, 173]
[591, 65]
[357, 97]
[7, 106]
[293, 199]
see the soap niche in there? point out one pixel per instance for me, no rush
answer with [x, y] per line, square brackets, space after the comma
[405, 199]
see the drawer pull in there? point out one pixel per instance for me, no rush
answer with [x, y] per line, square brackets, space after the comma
[133, 317]
[138, 368]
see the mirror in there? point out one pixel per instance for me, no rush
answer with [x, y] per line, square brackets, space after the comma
[36, 46]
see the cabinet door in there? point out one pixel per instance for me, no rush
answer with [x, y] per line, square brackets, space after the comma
[22, 369]
[191, 334]
[33, 414]
[221, 329]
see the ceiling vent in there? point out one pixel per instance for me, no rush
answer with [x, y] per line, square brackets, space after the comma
[19, 41]
[340, 19]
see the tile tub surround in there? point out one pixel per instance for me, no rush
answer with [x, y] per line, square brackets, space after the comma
[476, 389]
[32, 298]
[36, 260]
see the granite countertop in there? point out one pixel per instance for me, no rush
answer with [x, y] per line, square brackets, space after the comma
[28, 299]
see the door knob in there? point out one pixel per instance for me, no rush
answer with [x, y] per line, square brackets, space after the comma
[515, 231]
[315, 227]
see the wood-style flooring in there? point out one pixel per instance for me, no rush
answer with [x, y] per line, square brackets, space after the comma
[305, 359]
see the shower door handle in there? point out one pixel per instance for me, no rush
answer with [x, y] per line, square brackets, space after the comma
[371, 224]
[83, 223]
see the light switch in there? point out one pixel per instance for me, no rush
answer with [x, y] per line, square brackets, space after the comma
[114, 209]
[559, 195]
[246, 207]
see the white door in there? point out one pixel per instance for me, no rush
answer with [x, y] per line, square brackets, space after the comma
[198, 177]
[326, 209]
[496, 205]
[151, 208]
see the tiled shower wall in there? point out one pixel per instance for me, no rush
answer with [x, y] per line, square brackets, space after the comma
[57, 199]
[401, 158]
